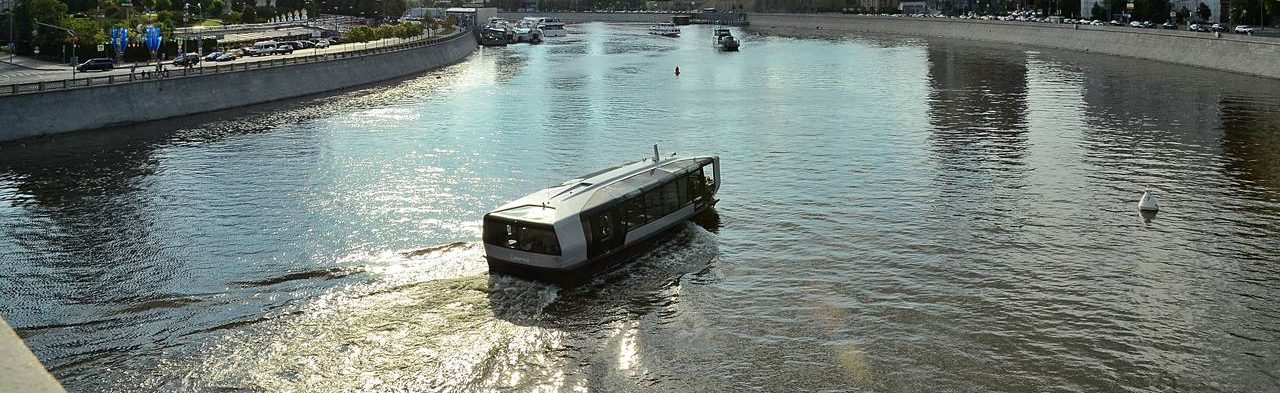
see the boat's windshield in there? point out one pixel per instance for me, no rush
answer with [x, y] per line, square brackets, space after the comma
[521, 236]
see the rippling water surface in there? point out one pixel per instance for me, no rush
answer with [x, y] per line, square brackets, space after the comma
[897, 215]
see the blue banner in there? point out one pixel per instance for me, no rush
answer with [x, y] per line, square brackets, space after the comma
[120, 38]
[153, 38]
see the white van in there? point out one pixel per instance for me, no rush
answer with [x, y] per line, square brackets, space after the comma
[263, 48]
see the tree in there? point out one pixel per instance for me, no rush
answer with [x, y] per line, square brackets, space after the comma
[217, 7]
[87, 30]
[1097, 12]
[47, 11]
[1203, 12]
[249, 15]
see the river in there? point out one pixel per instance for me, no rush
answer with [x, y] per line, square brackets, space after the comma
[897, 214]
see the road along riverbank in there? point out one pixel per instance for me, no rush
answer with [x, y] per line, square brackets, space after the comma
[54, 108]
[581, 17]
[1227, 52]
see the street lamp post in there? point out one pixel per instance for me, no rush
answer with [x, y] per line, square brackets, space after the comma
[11, 45]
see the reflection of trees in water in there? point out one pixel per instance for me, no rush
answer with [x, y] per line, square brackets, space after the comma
[88, 189]
[977, 106]
[1131, 105]
[1251, 141]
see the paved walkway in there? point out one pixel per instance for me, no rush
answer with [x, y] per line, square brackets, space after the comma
[33, 64]
[27, 70]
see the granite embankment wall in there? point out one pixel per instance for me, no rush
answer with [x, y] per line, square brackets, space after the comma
[82, 108]
[1258, 56]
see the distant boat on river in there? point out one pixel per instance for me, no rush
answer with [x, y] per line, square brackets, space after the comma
[665, 29]
[724, 40]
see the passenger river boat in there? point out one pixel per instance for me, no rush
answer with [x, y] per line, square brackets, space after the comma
[665, 29]
[566, 233]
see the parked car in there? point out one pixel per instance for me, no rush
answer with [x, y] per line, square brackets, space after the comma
[1135, 24]
[228, 56]
[186, 59]
[322, 44]
[1242, 29]
[262, 48]
[283, 49]
[1098, 23]
[100, 64]
[212, 56]
[1116, 23]
[1169, 25]
[1197, 27]
[1218, 27]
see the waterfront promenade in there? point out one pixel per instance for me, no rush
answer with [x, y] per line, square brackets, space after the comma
[30, 71]
[43, 108]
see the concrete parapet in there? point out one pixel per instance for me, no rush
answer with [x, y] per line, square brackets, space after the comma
[20, 371]
[57, 111]
[1255, 56]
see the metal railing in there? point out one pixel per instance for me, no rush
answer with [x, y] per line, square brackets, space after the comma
[147, 72]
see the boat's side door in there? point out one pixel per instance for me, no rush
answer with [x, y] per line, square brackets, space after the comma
[698, 190]
[605, 232]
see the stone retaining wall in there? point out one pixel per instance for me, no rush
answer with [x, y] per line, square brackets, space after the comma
[1258, 56]
[84, 108]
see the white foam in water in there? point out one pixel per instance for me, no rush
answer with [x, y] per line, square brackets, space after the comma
[689, 251]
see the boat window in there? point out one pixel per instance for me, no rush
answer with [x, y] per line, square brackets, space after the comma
[521, 236]
[633, 213]
[653, 203]
[670, 198]
[682, 188]
[695, 185]
[602, 227]
[709, 179]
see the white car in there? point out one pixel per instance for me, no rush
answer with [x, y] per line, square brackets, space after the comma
[1135, 24]
[1098, 23]
[1242, 29]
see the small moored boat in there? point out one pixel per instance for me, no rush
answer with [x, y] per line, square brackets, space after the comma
[564, 234]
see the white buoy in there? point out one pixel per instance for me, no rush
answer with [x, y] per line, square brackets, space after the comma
[1148, 201]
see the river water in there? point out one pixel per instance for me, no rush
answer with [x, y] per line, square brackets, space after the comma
[897, 214]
